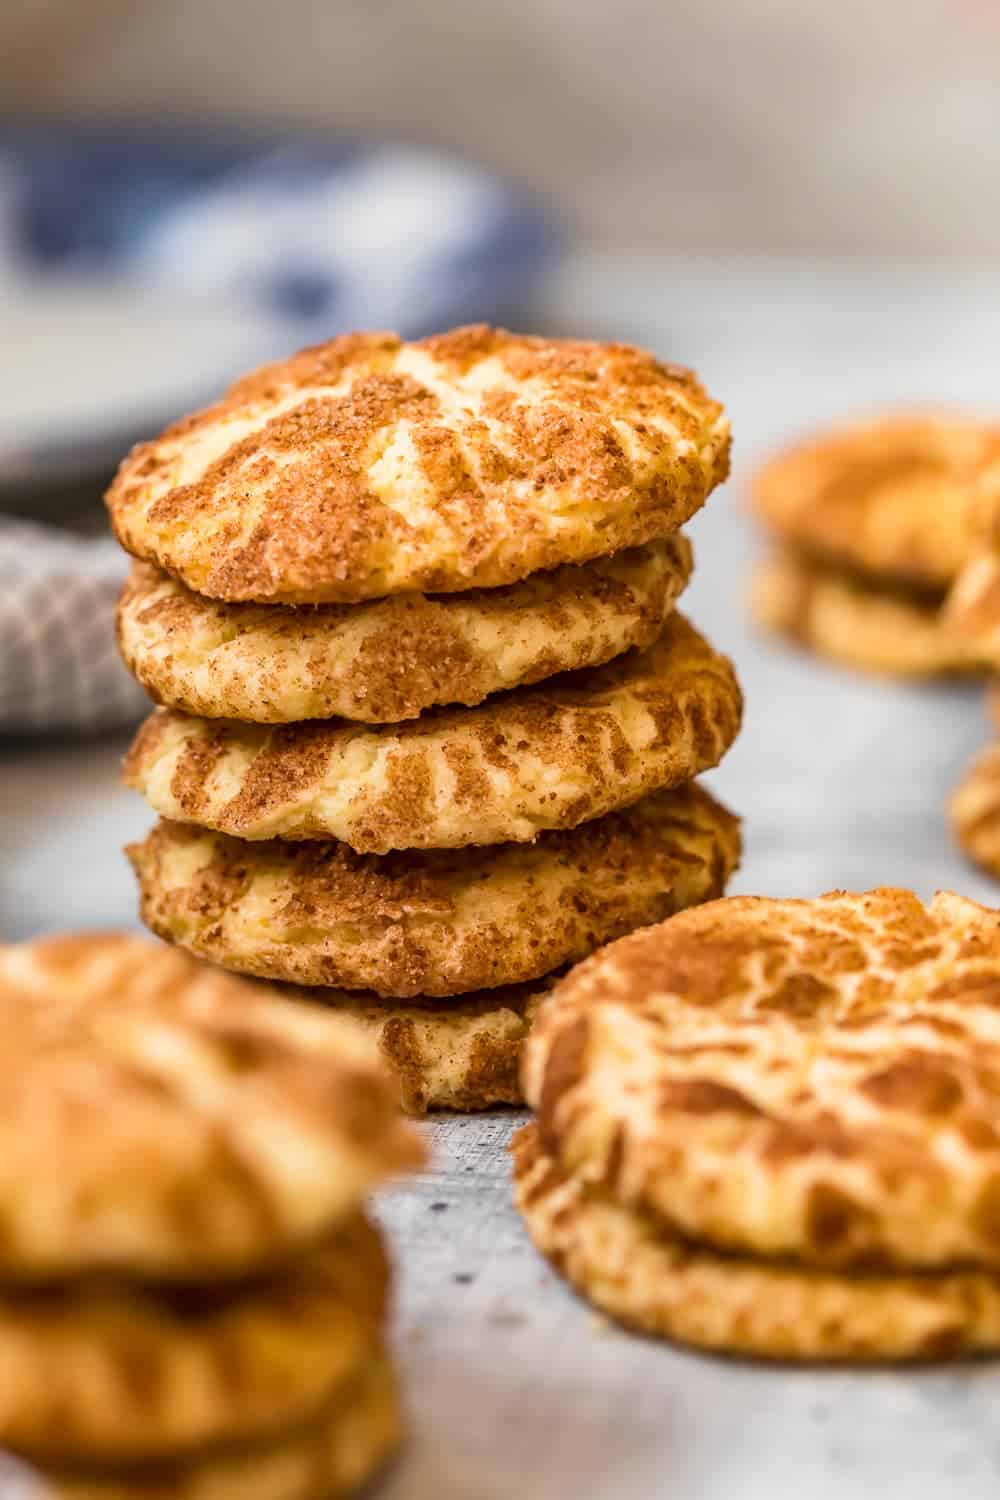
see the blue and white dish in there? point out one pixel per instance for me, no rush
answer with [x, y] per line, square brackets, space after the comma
[141, 269]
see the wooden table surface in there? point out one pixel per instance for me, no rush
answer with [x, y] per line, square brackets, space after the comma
[516, 1389]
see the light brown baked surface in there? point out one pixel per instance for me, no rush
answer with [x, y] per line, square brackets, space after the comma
[815, 1078]
[972, 607]
[108, 1372]
[389, 659]
[898, 495]
[460, 1054]
[633, 1268]
[366, 467]
[551, 756]
[162, 1119]
[332, 1457]
[434, 922]
[974, 811]
[852, 620]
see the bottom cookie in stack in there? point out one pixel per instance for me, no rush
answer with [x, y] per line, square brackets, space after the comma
[443, 955]
[192, 1302]
[768, 1128]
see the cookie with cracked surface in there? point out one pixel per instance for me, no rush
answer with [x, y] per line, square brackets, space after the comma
[435, 922]
[332, 1456]
[816, 1079]
[898, 495]
[102, 1371]
[389, 659]
[552, 756]
[859, 622]
[209, 1128]
[632, 1267]
[461, 1054]
[367, 466]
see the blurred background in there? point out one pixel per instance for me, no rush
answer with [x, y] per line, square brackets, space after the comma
[749, 124]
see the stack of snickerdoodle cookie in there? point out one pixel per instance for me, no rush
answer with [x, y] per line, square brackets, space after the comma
[192, 1300]
[872, 524]
[430, 721]
[770, 1127]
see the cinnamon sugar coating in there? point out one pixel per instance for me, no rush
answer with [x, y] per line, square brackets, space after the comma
[338, 1452]
[389, 659]
[116, 1373]
[435, 922]
[366, 467]
[552, 756]
[210, 1128]
[462, 1053]
[816, 1078]
[636, 1269]
[852, 619]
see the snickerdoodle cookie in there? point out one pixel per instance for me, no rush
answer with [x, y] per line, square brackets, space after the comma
[116, 1372]
[434, 922]
[389, 659]
[551, 756]
[338, 1451]
[639, 1270]
[897, 496]
[167, 1121]
[368, 466]
[815, 1079]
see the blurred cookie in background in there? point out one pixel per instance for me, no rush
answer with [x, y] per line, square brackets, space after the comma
[191, 1292]
[874, 522]
[872, 626]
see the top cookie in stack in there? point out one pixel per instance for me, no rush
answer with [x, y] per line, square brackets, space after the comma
[873, 522]
[341, 563]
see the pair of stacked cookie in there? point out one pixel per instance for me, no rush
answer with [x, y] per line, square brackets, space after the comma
[873, 525]
[431, 721]
[192, 1299]
[770, 1128]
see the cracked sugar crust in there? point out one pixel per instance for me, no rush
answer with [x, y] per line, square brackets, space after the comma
[367, 466]
[461, 1054]
[116, 1372]
[632, 1267]
[435, 922]
[974, 810]
[553, 756]
[852, 620]
[389, 659]
[900, 495]
[334, 1455]
[817, 1078]
[207, 1128]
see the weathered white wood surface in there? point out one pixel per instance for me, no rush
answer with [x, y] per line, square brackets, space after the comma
[516, 1390]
